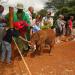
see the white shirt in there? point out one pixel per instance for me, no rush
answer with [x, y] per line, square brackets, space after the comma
[30, 16]
[48, 19]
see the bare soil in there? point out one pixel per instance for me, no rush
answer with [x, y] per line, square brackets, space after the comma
[61, 61]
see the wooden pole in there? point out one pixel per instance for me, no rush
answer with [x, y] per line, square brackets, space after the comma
[11, 11]
[25, 64]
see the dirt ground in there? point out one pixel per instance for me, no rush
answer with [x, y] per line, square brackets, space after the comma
[60, 62]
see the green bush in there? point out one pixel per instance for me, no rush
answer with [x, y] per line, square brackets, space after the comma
[42, 12]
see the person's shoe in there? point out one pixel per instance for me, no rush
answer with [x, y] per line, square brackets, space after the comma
[9, 63]
[2, 61]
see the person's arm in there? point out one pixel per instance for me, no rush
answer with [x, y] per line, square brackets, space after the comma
[24, 39]
[26, 18]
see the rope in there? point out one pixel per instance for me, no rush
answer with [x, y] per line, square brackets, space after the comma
[25, 64]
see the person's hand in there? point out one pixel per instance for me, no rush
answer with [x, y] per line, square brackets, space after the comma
[29, 42]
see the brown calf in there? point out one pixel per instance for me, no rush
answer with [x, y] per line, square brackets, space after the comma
[42, 38]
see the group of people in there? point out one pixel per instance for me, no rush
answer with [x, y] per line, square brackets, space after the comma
[23, 26]
[20, 28]
[64, 26]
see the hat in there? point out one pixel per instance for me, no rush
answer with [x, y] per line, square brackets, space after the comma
[20, 6]
[1, 8]
[60, 16]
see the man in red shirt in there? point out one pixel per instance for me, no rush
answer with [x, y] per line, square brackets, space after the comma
[70, 24]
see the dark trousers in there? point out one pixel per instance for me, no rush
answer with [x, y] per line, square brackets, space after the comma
[68, 31]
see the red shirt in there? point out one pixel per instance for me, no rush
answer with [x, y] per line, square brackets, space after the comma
[70, 24]
[22, 26]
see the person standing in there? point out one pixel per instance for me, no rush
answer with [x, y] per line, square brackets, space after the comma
[30, 12]
[48, 18]
[2, 25]
[70, 24]
[37, 23]
[21, 16]
[60, 27]
[7, 38]
[6, 44]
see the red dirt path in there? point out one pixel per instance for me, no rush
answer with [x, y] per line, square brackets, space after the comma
[61, 62]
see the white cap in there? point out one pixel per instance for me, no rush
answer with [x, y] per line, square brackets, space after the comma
[12, 5]
[20, 6]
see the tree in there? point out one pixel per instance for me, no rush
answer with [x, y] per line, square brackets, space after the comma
[65, 7]
[42, 12]
[71, 3]
[60, 3]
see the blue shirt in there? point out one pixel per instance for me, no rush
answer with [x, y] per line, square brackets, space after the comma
[36, 28]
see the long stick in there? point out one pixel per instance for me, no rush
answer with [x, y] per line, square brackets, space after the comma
[25, 64]
[23, 39]
[11, 11]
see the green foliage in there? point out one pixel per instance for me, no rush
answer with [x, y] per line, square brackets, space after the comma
[71, 3]
[64, 10]
[60, 3]
[42, 12]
